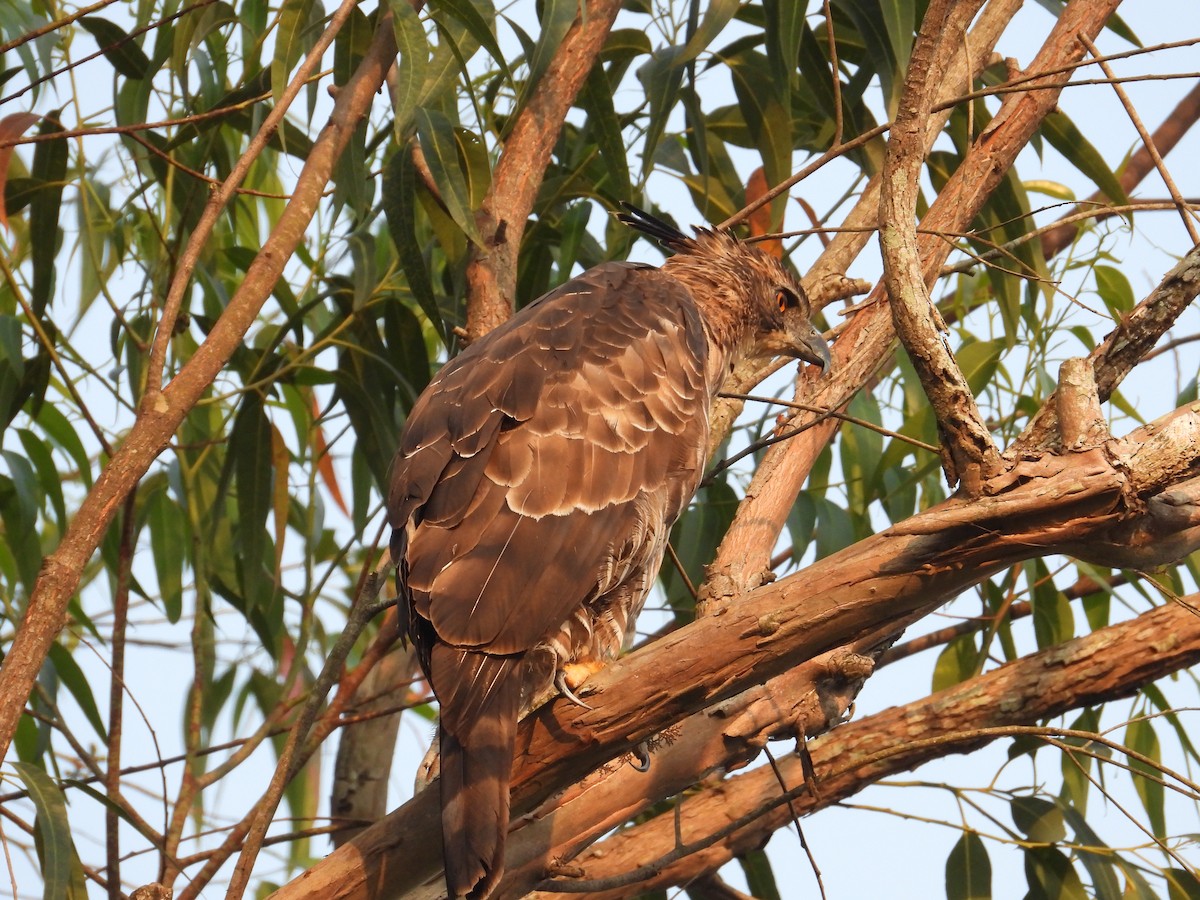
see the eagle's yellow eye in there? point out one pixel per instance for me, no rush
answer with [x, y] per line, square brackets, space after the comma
[784, 300]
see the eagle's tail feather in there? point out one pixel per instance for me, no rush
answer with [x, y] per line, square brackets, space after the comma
[475, 768]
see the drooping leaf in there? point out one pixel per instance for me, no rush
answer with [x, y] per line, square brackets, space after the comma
[760, 877]
[1098, 858]
[250, 454]
[399, 206]
[72, 677]
[1114, 290]
[1141, 737]
[1065, 137]
[45, 209]
[61, 872]
[597, 99]
[118, 47]
[440, 145]
[1050, 876]
[1040, 820]
[968, 869]
[412, 69]
[479, 19]
[695, 538]
[293, 38]
[956, 663]
[556, 19]
[168, 540]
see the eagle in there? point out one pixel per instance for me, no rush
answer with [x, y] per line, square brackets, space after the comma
[536, 483]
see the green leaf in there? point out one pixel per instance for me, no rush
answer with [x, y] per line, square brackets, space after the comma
[900, 20]
[968, 869]
[979, 361]
[441, 147]
[479, 19]
[55, 424]
[456, 46]
[412, 70]
[1147, 780]
[956, 663]
[61, 872]
[76, 682]
[1182, 884]
[1053, 618]
[168, 540]
[784, 32]
[1114, 290]
[556, 20]
[47, 474]
[293, 38]
[1068, 140]
[45, 210]
[768, 120]
[1050, 876]
[661, 76]
[1097, 857]
[695, 538]
[118, 47]
[760, 878]
[1077, 766]
[250, 452]
[596, 98]
[1039, 820]
[399, 207]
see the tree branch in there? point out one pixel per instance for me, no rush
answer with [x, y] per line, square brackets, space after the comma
[492, 275]
[1105, 665]
[967, 451]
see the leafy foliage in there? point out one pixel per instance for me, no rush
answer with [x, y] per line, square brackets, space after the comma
[241, 549]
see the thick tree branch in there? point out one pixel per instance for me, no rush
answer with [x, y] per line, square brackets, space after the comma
[1105, 665]
[1078, 503]
[492, 275]
[157, 422]
[967, 451]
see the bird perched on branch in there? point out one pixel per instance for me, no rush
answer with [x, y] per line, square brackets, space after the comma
[536, 484]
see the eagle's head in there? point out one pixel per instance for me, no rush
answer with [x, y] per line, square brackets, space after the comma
[748, 298]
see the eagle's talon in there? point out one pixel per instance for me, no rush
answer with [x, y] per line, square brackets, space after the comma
[641, 757]
[560, 682]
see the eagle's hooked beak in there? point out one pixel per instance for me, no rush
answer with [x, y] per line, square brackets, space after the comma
[811, 348]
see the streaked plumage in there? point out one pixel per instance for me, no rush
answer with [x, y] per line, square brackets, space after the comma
[537, 482]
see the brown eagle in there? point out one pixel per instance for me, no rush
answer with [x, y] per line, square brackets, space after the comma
[538, 479]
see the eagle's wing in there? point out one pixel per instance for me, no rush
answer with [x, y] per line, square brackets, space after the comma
[522, 462]
[533, 470]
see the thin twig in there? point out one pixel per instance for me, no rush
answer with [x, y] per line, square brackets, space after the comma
[832, 413]
[50, 76]
[49, 27]
[1147, 141]
[795, 813]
